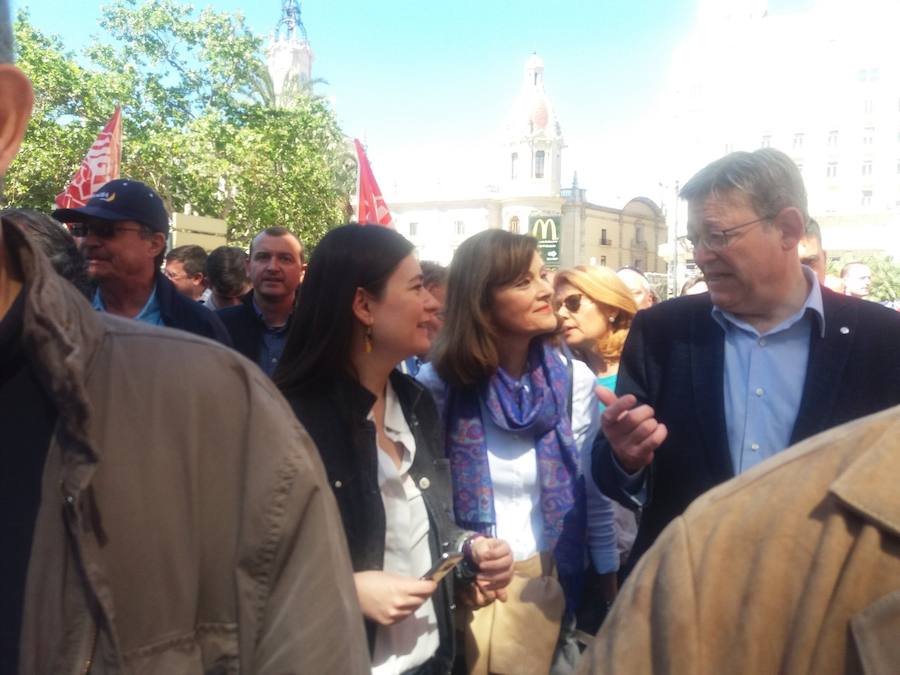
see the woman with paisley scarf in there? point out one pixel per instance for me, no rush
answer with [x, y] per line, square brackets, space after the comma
[516, 415]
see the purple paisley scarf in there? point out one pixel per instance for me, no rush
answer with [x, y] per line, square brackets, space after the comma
[538, 410]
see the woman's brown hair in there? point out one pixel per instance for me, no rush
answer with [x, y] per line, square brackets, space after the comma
[465, 351]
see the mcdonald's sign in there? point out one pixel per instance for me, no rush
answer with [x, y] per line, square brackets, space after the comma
[546, 229]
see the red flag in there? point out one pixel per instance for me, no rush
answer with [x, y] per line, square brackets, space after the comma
[372, 208]
[100, 166]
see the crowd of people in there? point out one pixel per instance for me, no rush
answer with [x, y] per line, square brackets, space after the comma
[354, 462]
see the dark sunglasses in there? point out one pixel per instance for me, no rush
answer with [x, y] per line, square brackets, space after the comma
[572, 302]
[105, 229]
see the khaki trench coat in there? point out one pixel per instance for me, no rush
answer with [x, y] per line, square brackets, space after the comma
[793, 567]
[185, 524]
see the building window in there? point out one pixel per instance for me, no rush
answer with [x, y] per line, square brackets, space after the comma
[898, 166]
[766, 141]
[831, 170]
[832, 139]
[460, 227]
[638, 233]
[868, 106]
[514, 169]
[637, 263]
[866, 198]
[539, 164]
[868, 135]
[867, 168]
[413, 229]
[603, 260]
[798, 141]
[514, 224]
[603, 240]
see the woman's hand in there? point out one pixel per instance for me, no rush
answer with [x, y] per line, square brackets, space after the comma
[472, 597]
[387, 598]
[495, 569]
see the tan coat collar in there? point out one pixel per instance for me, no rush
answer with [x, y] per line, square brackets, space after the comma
[869, 484]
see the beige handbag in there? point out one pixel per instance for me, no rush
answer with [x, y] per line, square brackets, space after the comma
[519, 636]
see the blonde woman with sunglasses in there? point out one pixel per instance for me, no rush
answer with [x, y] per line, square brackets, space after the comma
[596, 308]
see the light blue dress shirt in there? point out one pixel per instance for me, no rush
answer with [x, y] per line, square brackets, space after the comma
[273, 341]
[764, 377]
[149, 314]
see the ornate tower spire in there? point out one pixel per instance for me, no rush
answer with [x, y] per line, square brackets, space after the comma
[290, 57]
[290, 21]
[532, 144]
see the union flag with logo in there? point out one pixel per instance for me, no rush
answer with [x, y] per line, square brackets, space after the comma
[372, 207]
[100, 166]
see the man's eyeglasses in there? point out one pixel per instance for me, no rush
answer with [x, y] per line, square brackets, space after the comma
[572, 302]
[175, 276]
[719, 239]
[105, 229]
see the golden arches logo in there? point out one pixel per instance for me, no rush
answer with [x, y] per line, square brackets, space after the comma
[542, 225]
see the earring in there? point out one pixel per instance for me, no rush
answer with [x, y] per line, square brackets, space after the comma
[612, 319]
[367, 339]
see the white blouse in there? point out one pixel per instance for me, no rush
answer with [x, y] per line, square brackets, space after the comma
[413, 640]
[512, 460]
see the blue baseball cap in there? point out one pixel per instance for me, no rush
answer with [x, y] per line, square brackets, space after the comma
[121, 199]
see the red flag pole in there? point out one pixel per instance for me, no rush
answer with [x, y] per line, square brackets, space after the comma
[100, 165]
[372, 208]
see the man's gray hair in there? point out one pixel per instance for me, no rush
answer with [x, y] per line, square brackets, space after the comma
[6, 35]
[768, 177]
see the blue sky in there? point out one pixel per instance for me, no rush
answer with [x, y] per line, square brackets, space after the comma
[425, 82]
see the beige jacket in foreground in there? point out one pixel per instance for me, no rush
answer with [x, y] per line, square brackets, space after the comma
[793, 567]
[185, 524]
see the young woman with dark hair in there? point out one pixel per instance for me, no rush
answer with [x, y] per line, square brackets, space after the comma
[363, 309]
[517, 415]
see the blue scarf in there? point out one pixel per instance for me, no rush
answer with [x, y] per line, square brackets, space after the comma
[538, 410]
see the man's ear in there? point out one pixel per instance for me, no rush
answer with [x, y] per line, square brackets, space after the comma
[158, 242]
[361, 307]
[16, 100]
[792, 225]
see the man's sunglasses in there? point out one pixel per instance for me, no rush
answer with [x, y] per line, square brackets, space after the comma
[572, 302]
[105, 229]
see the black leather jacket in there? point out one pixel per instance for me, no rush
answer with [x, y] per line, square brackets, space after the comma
[335, 416]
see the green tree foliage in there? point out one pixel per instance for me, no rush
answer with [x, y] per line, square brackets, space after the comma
[885, 278]
[199, 122]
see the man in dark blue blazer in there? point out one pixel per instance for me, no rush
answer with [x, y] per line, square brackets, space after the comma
[711, 385]
[258, 326]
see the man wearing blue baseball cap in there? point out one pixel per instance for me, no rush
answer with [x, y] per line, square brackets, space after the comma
[122, 232]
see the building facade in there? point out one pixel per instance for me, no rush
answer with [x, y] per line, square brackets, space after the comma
[525, 197]
[822, 85]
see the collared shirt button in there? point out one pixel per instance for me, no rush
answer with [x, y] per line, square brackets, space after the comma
[338, 484]
[754, 446]
[762, 342]
[760, 391]
[424, 483]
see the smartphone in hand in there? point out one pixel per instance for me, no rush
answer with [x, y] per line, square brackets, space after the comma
[443, 566]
